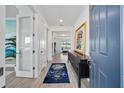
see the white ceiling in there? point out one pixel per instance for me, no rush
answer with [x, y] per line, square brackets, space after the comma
[69, 14]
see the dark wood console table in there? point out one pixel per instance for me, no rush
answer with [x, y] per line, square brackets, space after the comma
[80, 64]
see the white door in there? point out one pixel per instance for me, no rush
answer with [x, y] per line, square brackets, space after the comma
[24, 60]
[42, 47]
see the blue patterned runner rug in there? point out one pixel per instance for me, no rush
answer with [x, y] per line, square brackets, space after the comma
[57, 74]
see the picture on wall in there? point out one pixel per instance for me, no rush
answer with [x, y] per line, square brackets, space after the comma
[10, 41]
[80, 39]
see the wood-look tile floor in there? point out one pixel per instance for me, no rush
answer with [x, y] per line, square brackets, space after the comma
[13, 82]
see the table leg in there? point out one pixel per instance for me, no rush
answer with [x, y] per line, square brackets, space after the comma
[79, 82]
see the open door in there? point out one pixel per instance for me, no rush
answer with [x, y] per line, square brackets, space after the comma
[24, 52]
[105, 46]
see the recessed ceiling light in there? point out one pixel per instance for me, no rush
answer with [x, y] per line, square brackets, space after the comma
[60, 20]
[63, 34]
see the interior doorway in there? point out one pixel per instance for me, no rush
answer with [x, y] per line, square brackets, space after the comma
[61, 42]
[10, 39]
[19, 42]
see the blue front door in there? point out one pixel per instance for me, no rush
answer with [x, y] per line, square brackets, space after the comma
[105, 46]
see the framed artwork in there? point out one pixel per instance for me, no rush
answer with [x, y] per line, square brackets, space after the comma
[80, 39]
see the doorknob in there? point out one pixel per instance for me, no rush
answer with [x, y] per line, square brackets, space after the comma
[19, 52]
[41, 51]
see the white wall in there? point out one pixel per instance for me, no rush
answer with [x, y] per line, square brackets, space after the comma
[2, 44]
[84, 17]
[11, 11]
[49, 45]
[23, 9]
[58, 46]
[61, 28]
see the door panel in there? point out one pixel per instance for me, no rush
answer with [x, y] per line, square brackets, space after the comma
[42, 55]
[93, 47]
[103, 35]
[93, 76]
[24, 46]
[106, 58]
[102, 80]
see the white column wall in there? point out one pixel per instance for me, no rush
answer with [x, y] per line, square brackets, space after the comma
[49, 45]
[2, 43]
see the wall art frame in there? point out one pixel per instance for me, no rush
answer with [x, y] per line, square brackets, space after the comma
[80, 39]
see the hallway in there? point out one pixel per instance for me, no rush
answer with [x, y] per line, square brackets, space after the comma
[13, 82]
[33, 39]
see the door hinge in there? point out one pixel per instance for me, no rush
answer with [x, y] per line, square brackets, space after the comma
[33, 68]
[33, 18]
[33, 34]
[33, 51]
